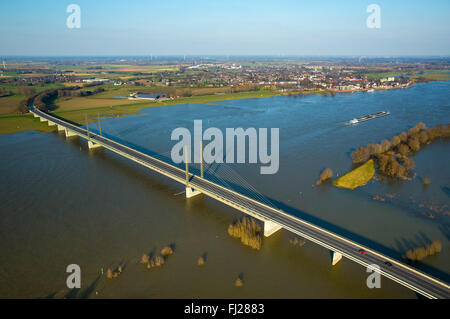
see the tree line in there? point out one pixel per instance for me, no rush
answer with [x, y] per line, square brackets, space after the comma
[391, 156]
[44, 99]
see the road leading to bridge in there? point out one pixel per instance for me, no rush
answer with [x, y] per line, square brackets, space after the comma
[401, 273]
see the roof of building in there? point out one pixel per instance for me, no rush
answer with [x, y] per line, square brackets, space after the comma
[150, 96]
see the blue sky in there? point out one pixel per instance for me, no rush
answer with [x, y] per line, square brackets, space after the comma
[244, 27]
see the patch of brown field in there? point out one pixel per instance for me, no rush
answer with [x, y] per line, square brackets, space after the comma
[72, 84]
[9, 104]
[81, 73]
[85, 102]
[138, 68]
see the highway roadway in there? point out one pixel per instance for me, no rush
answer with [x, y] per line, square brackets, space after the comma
[401, 273]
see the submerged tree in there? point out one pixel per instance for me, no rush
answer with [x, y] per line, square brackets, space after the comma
[248, 230]
[326, 174]
[420, 253]
[390, 155]
[359, 155]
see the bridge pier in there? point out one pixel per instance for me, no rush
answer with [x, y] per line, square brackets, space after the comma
[69, 133]
[42, 119]
[35, 115]
[336, 257]
[92, 145]
[61, 128]
[190, 192]
[270, 228]
[51, 123]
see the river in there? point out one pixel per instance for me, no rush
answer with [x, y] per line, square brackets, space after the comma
[62, 204]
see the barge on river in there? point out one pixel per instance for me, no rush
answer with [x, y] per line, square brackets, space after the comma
[368, 117]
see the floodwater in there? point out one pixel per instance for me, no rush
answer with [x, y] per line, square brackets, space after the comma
[62, 204]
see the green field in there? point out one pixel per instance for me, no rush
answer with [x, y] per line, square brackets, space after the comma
[90, 107]
[358, 177]
[10, 104]
[433, 76]
[23, 122]
[78, 115]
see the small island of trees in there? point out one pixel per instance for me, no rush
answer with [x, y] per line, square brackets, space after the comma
[391, 156]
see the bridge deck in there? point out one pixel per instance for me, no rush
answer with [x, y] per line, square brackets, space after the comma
[404, 274]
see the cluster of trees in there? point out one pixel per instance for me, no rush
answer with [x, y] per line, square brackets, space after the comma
[297, 241]
[45, 99]
[75, 91]
[239, 282]
[420, 253]
[110, 274]
[23, 105]
[158, 260]
[326, 174]
[248, 230]
[166, 251]
[391, 156]
[201, 261]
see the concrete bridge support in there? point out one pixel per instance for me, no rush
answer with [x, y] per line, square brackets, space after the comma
[270, 228]
[51, 123]
[69, 133]
[190, 192]
[35, 115]
[92, 145]
[336, 257]
[61, 128]
[42, 119]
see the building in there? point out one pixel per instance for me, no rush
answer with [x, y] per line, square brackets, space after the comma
[147, 96]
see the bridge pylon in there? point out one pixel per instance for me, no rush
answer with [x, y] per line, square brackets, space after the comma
[270, 228]
[336, 257]
[91, 144]
[69, 133]
[201, 159]
[190, 192]
[99, 123]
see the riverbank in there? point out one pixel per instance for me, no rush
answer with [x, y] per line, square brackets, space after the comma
[14, 123]
[21, 123]
[95, 107]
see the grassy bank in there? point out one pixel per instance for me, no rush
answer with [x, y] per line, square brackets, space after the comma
[22, 122]
[432, 76]
[358, 177]
[77, 111]
[78, 115]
